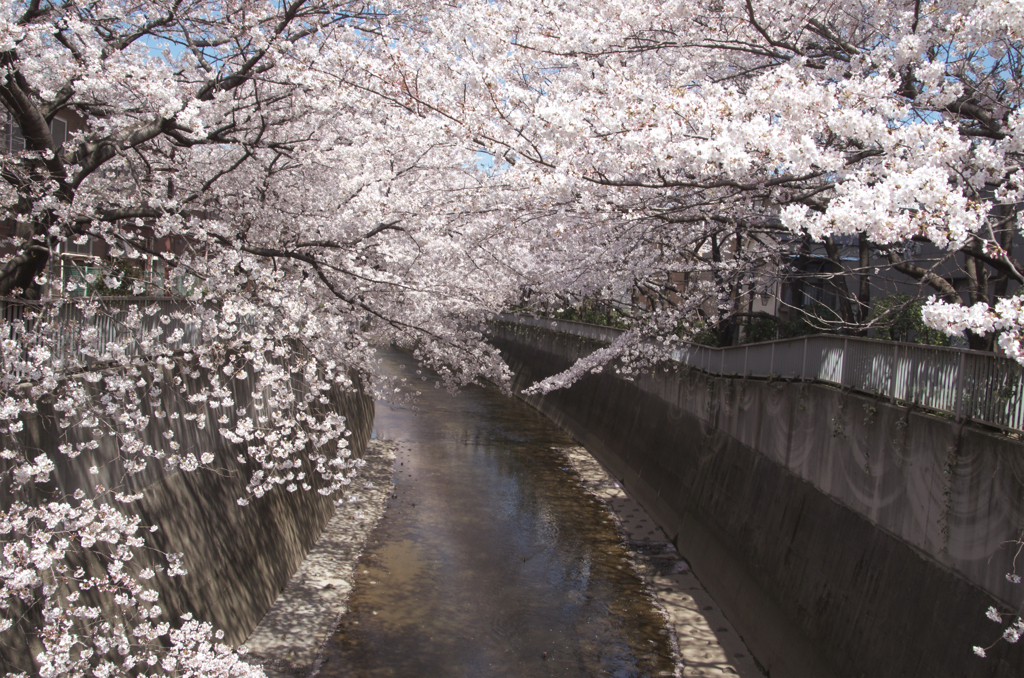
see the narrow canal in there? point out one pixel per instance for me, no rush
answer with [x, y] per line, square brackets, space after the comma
[491, 559]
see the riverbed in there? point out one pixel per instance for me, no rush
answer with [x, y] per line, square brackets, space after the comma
[491, 558]
[479, 540]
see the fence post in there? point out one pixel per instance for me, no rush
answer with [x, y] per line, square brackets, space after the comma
[803, 363]
[746, 354]
[842, 370]
[771, 364]
[960, 387]
[721, 363]
[892, 373]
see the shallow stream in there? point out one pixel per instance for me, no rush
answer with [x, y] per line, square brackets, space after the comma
[491, 559]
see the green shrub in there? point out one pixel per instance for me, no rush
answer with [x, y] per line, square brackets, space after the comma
[898, 318]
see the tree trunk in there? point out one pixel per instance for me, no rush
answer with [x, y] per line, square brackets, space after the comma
[977, 289]
[846, 308]
[864, 291]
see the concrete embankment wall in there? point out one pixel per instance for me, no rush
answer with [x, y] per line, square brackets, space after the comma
[238, 558]
[840, 533]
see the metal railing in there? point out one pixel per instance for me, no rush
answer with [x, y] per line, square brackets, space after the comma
[61, 328]
[983, 387]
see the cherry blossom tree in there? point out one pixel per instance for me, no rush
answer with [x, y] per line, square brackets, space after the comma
[691, 141]
[298, 217]
[678, 147]
[314, 164]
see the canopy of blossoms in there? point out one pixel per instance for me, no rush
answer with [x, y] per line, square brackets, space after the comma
[336, 174]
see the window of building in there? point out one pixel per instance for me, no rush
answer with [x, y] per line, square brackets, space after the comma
[12, 139]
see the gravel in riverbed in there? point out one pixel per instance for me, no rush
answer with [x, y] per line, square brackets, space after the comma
[705, 642]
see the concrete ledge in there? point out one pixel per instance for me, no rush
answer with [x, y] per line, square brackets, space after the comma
[704, 641]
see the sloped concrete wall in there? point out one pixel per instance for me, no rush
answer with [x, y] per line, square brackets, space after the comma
[238, 558]
[840, 533]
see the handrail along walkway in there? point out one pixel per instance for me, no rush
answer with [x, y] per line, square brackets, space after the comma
[975, 385]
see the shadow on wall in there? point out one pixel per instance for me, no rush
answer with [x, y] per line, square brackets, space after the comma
[238, 558]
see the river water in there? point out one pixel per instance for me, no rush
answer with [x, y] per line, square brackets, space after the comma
[491, 559]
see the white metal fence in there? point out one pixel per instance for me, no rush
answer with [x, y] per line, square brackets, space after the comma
[975, 385]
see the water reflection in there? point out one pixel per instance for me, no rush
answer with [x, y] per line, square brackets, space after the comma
[492, 560]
